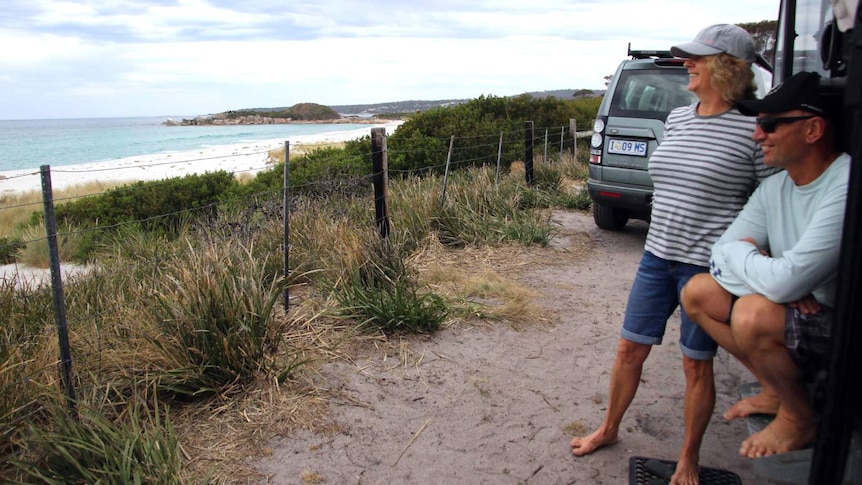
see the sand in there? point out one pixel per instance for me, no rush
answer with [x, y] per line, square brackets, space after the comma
[238, 158]
[492, 404]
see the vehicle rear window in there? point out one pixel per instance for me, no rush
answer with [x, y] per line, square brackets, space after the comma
[650, 93]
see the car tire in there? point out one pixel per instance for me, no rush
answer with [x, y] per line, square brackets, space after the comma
[609, 218]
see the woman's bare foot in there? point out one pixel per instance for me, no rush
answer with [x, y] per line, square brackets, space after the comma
[780, 436]
[587, 444]
[763, 403]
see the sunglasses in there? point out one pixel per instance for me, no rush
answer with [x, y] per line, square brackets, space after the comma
[770, 123]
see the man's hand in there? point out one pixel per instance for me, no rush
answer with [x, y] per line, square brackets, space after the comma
[750, 240]
[806, 306]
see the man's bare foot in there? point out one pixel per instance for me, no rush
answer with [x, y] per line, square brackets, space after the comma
[763, 403]
[780, 436]
[587, 444]
[686, 473]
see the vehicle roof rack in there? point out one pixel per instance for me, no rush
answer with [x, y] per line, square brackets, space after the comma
[644, 54]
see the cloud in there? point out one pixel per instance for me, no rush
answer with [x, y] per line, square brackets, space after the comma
[81, 58]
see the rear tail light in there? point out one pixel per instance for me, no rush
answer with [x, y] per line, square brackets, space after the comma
[597, 140]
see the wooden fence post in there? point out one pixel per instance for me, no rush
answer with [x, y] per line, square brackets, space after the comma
[380, 169]
[573, 127]
[528, 152]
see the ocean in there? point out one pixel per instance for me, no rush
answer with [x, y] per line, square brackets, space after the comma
[29, 144]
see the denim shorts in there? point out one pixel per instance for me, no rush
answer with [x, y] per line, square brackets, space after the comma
[653, 299]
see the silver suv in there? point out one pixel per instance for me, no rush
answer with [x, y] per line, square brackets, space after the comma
[628, 127]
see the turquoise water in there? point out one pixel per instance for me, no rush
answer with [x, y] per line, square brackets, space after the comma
[29, 144]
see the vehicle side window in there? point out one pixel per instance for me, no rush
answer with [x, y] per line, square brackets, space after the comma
[650, 93]
[810, 16]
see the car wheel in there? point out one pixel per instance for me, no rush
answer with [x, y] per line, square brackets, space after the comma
[609, 218]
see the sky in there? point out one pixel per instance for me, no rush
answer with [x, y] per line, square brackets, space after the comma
[117, 58]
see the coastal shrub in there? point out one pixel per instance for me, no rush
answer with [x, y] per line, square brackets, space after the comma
[163, 205]
[423, 140]
[323, 171]
[9, 247]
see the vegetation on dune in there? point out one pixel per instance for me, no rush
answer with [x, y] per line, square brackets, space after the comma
[181, 325]
[297, 112]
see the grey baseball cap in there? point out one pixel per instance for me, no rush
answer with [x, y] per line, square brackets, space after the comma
[716, 39]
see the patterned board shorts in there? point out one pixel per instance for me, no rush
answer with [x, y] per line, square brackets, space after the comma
[807, 339]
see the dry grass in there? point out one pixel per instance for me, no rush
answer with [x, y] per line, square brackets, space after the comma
[219, 438]
[299, 149]
[576, 428]
[16, 209]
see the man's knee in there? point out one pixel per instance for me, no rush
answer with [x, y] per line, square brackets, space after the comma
[755, 316]
[695, 290]
[703, 296]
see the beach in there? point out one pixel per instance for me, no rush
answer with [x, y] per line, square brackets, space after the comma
[240, 158]
[493, 401]
[245, 158]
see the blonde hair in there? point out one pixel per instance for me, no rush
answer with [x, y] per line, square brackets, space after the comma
[732, 76]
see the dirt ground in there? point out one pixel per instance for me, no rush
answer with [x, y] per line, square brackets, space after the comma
[494, 404]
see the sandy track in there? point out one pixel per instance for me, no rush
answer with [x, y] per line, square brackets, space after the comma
[497, 405]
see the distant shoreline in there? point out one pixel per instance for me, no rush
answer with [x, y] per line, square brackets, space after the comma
[265, 120]
[247, 157]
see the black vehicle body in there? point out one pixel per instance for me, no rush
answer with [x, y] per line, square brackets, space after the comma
[808, 40]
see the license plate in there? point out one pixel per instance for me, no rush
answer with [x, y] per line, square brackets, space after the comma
[627, 147]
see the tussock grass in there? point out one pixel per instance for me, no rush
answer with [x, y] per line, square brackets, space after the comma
[35, 253]
[88, 447]
[382, 293]
[193, 322]
[213, 310]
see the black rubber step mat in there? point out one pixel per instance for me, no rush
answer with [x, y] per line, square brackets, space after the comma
[654, 471]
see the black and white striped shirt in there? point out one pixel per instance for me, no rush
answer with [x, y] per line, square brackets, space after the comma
[702, 172]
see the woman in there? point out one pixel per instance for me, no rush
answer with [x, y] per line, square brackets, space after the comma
[703, 172]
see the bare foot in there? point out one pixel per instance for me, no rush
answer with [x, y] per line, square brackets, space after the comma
[686, 473]
[763, 403]
[780, 436]
[587, 444]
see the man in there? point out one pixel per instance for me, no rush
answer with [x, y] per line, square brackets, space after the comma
[773, 272]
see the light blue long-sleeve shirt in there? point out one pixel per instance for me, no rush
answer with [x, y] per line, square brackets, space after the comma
[801, 228]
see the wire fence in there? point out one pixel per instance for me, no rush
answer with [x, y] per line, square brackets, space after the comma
[32, 293]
